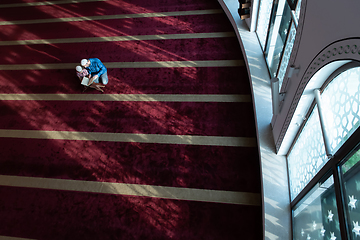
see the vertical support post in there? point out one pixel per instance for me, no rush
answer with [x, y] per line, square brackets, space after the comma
[275, 95]
[338, 185]
[322, 123]
[254, 14]
[294, 18]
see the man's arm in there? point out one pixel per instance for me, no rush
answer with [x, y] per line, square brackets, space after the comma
[92, 80]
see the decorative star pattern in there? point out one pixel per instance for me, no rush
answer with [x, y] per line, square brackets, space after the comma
[322, 231]
[319, 227]
[356, 228]
[352, 202]
[330, 215]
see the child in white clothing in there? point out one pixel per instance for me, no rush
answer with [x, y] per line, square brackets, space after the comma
[82, 72]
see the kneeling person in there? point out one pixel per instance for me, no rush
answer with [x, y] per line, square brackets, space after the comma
[81, 73]
[96, 69]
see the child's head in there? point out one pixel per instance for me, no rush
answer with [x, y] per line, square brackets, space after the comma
[79, 68]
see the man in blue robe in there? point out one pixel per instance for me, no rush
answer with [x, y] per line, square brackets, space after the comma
[96, 69]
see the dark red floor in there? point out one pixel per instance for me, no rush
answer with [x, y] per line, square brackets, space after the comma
[32, 213]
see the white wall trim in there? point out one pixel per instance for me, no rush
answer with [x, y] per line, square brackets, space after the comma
[275, 190]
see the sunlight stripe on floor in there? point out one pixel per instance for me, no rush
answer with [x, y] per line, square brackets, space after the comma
[131, 137]
[129, 97]
[120, 38]
[190, 194]
[13, 238]
[161, 64]
[112, 17]
[32, 4]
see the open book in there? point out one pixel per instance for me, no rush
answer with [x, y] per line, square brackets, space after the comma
[85, 81]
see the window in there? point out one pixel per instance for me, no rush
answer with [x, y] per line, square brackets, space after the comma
[317, 217]
[308, 155]
[341, 103]
[263, 21]
[287, 52]
[325, 191]
[341, 106]
[350, 173]
[276, 31]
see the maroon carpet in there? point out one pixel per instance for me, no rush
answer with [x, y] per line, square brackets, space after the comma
[33, 213]
[204, 80]
[131, 51]
[94, 216]
[180, 118]
[220, 168]
[120, 27]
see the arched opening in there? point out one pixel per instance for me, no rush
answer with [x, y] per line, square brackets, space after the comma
[324, 160]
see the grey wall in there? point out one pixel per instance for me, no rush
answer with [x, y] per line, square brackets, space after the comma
[325, 27]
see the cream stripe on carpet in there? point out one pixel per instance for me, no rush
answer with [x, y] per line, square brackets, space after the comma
[13, 238]
[129, 97]
[161, 64]
[111, 17]
[31, 4]
[131, 137]
[120, 38]
[190, 194]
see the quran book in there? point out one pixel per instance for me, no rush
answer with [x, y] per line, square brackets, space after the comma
[85, 81]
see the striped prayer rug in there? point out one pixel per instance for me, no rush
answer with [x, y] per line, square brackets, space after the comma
[169, 151]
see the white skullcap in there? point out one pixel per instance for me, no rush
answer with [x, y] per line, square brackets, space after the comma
[78, 68]
[83, 62]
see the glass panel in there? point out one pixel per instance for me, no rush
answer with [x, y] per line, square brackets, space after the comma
[308, 155]
[297, 10]
[341, 101]
[263, 21]
[287, 53]
[316, 217]
[278, 31]
[350, 171]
